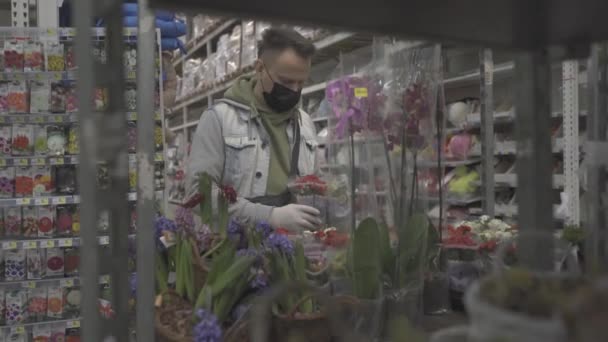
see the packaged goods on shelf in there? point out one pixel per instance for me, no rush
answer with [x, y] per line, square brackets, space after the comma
[249, 47]
[233, 63]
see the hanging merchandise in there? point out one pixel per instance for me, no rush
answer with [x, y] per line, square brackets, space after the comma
[43, 181]
[17, 97]
[53, 52]
[29, 222]
[4, 108]
[41, 141]
[7, 182]
[73, 140]
[56, 140]
[71, 101]
[24, 182]
[22, 140]
[46, 221]
[40, 97]
[13, 56]
[33, 57]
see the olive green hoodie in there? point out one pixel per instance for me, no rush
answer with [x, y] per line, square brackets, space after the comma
[276, 126]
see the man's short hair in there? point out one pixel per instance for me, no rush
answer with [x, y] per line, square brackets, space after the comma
[280, 39]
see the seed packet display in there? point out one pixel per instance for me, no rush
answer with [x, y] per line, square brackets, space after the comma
[15, 336]
[55, 303]
[37, 304]
[55, 262]
[23, 140]
[7, 182]
[12, 222]
[16, 307]
[41, 333]
[35, 264]
[43, 181]
[71, 335]
[99, 52]
[70, 57]
[58, 97]
[64, 221]
[72, 261]
[132, 174]
[17, 97]
[65, 179]
[58, 332]
[24, 182]
[131, 98]
[73, 140]
[54, 56]
[14, 265]
[3, 98]
[71, 99]
[6, 141]
[72, 297]
[46, 221]
[33, 58]
[40, 141]
[40, 96]
[132, 137]
[56, 140]
[29, 222]
[13, 56]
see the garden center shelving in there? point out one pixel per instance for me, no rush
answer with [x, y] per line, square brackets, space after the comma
[26, 289]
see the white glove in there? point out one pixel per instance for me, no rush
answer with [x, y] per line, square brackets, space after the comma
[295, 217]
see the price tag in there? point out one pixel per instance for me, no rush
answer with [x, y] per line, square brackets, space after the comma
[19, 77]
[66, 242]
[41, 201]
[30, 244]
[57, 118]
[73, 324]
[132, 196]
[58, 76]
[18, 330]
[131, 74]
[38, 119]
[59, 161]
[2, 162]
[29, 285]
[19, 119]
[24, 201]
[104, 240]
[74, 159]
[157, 116]
[104, 279]
[360, 92]
[39, 76]
[22, 162]
[66, 283]
[158, 157]
[59, 200]
[51, 32]
[132, 116]
[9, 245]
[2, 119]
[47, 244]
[38, 161]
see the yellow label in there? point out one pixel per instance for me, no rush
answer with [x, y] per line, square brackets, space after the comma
[18, 119]
[42, 201]
[73, 324]
[51, 32]
[360, 92]
[158, 157]
[57, 118]
[9, 245]
[18, 330]
[2, 162]
[47, 244]
[38, 119]
[29, 285]
[66, 243]
[39, 161]
[132, 116]
[58, 76]
[30, 245]
[22, 162]
[67, 283]
[2, 119]
[60, 200]
[24, 201]
[76, 227]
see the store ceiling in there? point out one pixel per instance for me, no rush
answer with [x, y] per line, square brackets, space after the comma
[520, 24]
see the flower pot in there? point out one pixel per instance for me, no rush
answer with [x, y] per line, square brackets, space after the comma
[363, 316]
[405, 302]
[452, 334]
[310, 328]
[173, 319]
[489, 322]
[436, 298]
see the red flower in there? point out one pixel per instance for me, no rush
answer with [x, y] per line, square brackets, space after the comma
[489, 246]
[281, 231]
[193, 201]
[229, 193]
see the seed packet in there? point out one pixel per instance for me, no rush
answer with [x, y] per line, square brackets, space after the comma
[33, 58]
[133, 217]
[130, 58]
[103, 222]
[16, 307]
[16, 336]
[132, 174]
[158, 137]
[17, 97]
[6, 141]
[23, 140]
[72, 335]
[40, 141]
[64, 221]
[14, 261]
[40, 96]
[99, 52]
[73, 140]
[3, 98]
[56, 140]
[103, 177]
[24, 182]
[55, 302]
[58, 97]
[2, 307]
[43, 181]
[72, 297]
[71, 99]
[131, 98]
[70, 57]
[65, 179]
[53, 52]
[75, 220]
[7, 182]
[100, 99]
[55, 262]
[72, 262]
[37, 304]
[12, 222]
[13, 56]
[46, 221]
[132, 137]
[58, 332]
[41, 332]
[35, 264]
[29, 223]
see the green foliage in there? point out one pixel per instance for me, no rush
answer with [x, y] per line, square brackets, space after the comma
[300, 275]
[412, 254]
[573, 234]
[205, 183]
[222, 214]
[386, 252]
[367, 270]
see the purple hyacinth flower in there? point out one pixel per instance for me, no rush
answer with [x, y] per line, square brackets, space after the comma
[184, 219]
[252, 252]
[264, 229]
[161, 225]
[278, 242]
[239, 311]
[260, 281]
[208, 328]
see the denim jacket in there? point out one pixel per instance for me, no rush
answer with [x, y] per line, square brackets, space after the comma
[232, 146]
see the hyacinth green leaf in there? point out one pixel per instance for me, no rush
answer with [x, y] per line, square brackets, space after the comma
[222, 214]
[300, 275]
[162, 273]
[367, 270]
[386, 252]
[229, 298]
[413, 245]
[239, 268]
[205, 185]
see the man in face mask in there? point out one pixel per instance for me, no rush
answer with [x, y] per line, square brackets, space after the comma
[256, 140]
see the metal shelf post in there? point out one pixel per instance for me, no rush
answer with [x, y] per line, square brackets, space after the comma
[487, 130]
[571, 140]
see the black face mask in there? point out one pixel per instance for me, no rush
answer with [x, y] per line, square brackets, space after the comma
[281, 98]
